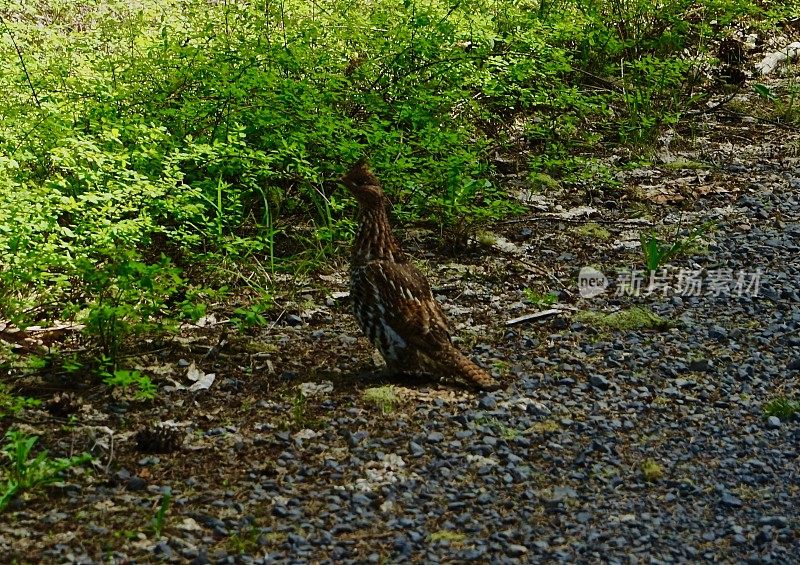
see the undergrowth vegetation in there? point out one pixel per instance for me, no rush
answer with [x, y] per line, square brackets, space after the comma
[20, 472]
[153, 153]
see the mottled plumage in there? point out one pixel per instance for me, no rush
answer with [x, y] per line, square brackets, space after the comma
[392, 299]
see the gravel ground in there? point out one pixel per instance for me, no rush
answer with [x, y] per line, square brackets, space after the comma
[644, 445]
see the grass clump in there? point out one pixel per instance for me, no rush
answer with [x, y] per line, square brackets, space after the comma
[19, 472]
[545, 427]
[485, 238]
[651, 470]
[658, 252]
[448, 536]
[682, 164]
[542, 183]
[540, 298]
[782, 407]
[159, 520]
[384, 397]
[635, 318]
[247, 539]
[593, 230]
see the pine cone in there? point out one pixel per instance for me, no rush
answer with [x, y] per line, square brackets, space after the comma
[63, 404]
[160, 438]
[392, 299]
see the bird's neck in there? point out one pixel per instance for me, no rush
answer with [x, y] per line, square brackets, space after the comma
[374, 239]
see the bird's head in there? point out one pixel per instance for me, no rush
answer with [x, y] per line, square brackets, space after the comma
[364, 185]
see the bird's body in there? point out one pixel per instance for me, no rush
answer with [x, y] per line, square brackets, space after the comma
[392, 299]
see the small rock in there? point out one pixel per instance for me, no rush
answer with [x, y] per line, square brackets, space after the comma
[288, 376]
[794, 365]
[537, 409]
[416, 449]
[312, 389]
[488, 402]
[717, 332]
[293, 320]
[516, 550]
[345, 339]
[163, 549]
[560, 493]
[135, 484]
[773, 422]
[599, 381]
[435, 437]
[355, 438]
[700, 365]
[201, 559]
[777, 521]
[729, 500]
[764, 536]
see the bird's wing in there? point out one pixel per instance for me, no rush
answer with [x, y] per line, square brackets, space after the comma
[410, 308]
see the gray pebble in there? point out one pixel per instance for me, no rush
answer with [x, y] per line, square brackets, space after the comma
[293, 320]
[717, 332]
[599, 381]
[729, 500]
[516, 550]
[416, 449]
[488, 402]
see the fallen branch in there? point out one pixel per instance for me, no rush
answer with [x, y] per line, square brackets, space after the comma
[534, 316]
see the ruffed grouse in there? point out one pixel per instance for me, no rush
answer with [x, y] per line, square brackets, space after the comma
[392, 299]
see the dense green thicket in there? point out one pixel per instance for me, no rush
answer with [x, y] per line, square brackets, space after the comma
[137, 139]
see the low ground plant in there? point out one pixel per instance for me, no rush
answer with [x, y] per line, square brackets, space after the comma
[20, 471]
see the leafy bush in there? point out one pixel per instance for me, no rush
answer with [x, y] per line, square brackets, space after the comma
[137, 142]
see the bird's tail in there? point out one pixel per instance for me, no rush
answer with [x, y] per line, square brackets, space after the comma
[461, 368]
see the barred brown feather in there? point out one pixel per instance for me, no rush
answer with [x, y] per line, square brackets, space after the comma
[392, 299]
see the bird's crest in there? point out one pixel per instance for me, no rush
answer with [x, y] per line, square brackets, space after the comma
[360, 175]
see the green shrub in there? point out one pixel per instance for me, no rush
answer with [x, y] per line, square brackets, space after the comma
[141, 142]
